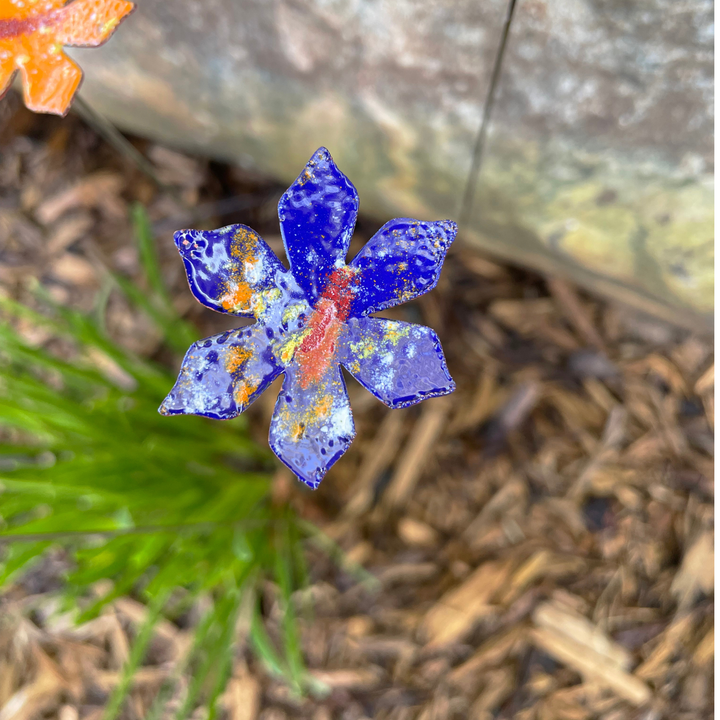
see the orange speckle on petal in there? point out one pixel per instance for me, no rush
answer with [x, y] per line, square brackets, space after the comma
[243, 391]
[236, 359]
[324, 406]
[238, 298]
[245, 255]
[243, 244]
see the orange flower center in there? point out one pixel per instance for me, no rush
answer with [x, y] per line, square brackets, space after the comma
[318, 347]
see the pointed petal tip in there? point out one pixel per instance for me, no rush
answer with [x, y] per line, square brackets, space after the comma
[166, 408]
[181, 241]
[449, 389]
[322, 159]
[313, 482]
[322, 153]
[310, 476]
[449, 229]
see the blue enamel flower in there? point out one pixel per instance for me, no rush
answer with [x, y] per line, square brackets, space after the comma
[312, 319]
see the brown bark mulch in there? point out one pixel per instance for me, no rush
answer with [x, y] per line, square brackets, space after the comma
[540, 542]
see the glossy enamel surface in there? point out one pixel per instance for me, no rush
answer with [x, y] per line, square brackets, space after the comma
[312, 319]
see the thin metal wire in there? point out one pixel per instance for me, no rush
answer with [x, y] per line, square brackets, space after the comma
[479, 148]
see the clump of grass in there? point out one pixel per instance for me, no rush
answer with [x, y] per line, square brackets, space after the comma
[149, 502]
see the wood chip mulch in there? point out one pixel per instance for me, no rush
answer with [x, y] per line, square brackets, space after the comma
[540, 542]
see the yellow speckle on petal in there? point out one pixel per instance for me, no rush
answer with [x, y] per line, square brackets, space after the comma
[394, 333]
[287, 351]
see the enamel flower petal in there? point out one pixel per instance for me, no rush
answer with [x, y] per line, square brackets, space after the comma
[312, 425]
[312, 319]
[398, 362]
[222, 375]
[317, 219]
[229, 270]
[32, 35]
[400, 262]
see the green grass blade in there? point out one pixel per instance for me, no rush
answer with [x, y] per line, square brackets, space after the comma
[284, 578]
[148, 252]
[156, 710]
[225, 654]
[137, 653]
[263, 646]
[146, 501]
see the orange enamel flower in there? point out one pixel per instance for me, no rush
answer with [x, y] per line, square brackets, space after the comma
[32, 35]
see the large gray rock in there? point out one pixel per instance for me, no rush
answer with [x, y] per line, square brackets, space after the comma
[600, 154]
[598, 163]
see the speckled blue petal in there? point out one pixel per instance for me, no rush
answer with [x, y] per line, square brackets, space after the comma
[317, 219]
[230, 269]
[312, 425]
[312, 318]
[400, 262]
[398, 362]
[223, 374]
